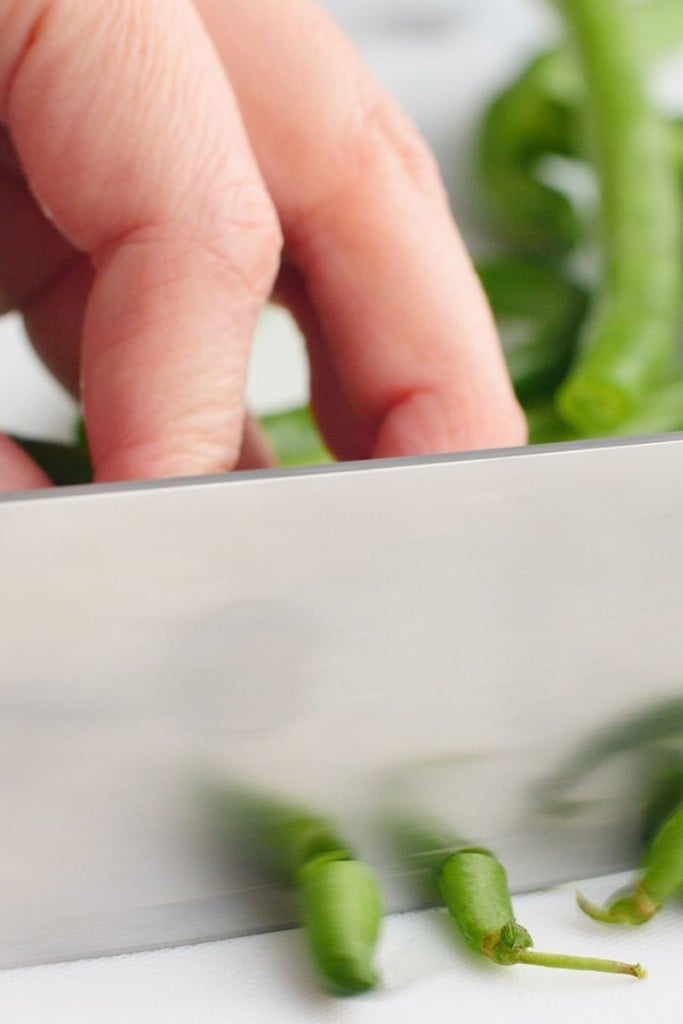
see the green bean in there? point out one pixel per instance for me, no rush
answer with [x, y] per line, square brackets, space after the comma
[677, 131]
[294, 437]
[530, 119]
[81, 435]
[339, 899]
[660, 413]
[658, 27]
[341, 910]
[279, 835]
[631, 734]
[475, 889]
[473, 885]
[629, 344]
[545, 426]
[661, 878]
[548, 306]
[664, 790]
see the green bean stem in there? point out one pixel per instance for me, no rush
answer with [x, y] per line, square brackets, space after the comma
[579, 963]
[661, 878]
[474, 887]
[629, 344]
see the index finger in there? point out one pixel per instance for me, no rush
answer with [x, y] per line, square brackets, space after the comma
[404, 352]
[133, 144]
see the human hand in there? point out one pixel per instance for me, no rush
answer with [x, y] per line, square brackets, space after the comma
[170, 164]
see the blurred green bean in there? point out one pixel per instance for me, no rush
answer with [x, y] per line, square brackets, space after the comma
[629, 344]
[548, 307]
[294, 437]
[533, 117]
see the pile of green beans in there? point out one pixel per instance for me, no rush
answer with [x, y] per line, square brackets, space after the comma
[588, 101]
[340, 901]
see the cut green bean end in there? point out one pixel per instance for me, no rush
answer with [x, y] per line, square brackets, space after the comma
[348, 975]
[505, 946]
[560, 961]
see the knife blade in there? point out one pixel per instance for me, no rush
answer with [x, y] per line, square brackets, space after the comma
[431, 637]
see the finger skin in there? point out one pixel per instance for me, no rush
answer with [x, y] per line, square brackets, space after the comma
[256, 453]
[18, 472]
[168, 204]
[402, 337]
[32, 253]
[41, 275]
[53, 319]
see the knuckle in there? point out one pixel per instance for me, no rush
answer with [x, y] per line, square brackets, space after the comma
[383, 141]
[242, 231]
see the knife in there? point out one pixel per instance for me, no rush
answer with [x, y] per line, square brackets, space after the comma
[432, 636]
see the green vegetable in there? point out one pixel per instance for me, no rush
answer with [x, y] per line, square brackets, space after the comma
[629, 345]
[294, 437]
[632, 734]
[677, 129]
[658, 27]
[661, 878]
[283, 836]
[660, 413]
[529, 120]
[81, 435]
[548, 306]
[64, 464]
[341, 910]
[474, 887]
[664, 790]
[545, 426]
[339, 899]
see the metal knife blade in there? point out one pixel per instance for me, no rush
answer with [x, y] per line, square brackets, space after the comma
[435, 636]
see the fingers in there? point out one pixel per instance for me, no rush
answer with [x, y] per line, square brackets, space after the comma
[256, 452]
[402, 334]
[18, 472]
[32, 252]
[54, 317]
[169, 205]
